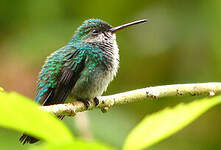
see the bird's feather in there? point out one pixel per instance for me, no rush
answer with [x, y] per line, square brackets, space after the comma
[51, 91]
[55, 84]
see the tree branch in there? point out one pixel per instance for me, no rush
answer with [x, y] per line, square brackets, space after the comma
[105, 102]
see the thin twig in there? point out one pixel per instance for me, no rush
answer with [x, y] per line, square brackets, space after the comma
[105, 102]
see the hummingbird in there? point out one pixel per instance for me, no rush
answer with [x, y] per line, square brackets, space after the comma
[82, 69]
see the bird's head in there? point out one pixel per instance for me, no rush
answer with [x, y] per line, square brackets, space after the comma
[98, 31]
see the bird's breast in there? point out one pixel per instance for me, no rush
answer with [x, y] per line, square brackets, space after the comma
[96, 75]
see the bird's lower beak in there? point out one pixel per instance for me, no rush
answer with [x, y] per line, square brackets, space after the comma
[114, 29]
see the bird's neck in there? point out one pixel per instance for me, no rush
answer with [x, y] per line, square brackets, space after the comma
[82, 45]
[105, 54]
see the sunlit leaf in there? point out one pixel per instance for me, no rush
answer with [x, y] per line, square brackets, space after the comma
[20, 113]
[1, 89]
[77, 144]
[156, 127]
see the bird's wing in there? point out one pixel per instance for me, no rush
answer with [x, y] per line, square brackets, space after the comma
[59, 75]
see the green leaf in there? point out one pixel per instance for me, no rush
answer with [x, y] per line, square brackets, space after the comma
[158, 126]
[19, 113]
[77, 144]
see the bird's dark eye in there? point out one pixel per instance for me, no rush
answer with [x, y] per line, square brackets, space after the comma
[94, 32]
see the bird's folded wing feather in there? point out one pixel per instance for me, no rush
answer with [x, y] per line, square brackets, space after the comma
[59, 75]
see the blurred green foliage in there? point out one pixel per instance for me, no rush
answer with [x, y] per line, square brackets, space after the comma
[76, 144]
[160, 125]
[179, 44]
[14, 111]
[19, 113]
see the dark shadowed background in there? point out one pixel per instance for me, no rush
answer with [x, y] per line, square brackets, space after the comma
[181, 43]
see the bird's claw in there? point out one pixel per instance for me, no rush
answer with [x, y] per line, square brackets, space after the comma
[86, 103]
[96, 101]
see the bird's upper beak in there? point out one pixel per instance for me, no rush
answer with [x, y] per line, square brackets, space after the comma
[114, 29]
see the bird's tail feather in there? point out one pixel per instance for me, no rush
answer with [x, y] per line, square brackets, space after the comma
[27, 139]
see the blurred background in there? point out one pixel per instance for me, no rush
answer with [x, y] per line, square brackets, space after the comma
[179, 44]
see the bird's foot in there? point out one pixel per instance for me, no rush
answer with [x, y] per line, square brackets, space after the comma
[96, 101]
[86, 103]
[105, 109]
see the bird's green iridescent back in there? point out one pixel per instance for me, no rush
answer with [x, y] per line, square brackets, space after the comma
[48, 77]
[50, 71]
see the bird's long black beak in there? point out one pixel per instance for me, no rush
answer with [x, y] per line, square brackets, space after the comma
[114, 29]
